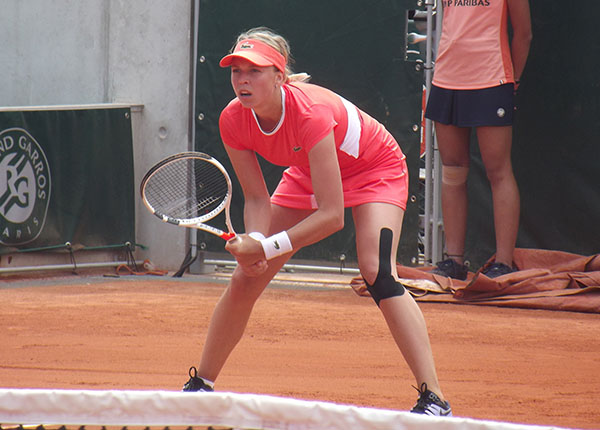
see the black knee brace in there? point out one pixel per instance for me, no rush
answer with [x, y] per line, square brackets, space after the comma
[385, 286]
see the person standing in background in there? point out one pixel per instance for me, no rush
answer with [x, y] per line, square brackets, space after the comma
[477, 73]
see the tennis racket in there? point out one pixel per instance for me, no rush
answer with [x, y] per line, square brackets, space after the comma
[188, 189]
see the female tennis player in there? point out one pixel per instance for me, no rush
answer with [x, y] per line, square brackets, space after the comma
[338, 156]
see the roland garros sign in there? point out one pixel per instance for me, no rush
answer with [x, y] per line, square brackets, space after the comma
[24, 187]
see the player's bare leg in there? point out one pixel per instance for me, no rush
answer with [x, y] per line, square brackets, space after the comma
[402, 314]
[231, 316]
[495, 146]
[233, 309]
[453, 144]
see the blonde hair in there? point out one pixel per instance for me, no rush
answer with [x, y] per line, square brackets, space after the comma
[277, 42]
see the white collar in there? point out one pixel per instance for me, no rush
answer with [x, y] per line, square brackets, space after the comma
[278, 126]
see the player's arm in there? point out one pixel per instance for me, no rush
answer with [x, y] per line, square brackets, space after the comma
[257, 203]
[520, 20]
[257, 211]
[327, 187]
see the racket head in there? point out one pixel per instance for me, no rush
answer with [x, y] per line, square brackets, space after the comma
[188, 189]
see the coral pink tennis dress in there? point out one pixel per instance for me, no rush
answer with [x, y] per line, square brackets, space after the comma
[372, 165]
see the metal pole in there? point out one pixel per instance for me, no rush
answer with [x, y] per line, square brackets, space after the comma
[437, 249]
[65, 266]
[294, 267]
[428, 139]
[195, 5]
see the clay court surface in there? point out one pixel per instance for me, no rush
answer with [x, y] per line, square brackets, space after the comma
[307, 339]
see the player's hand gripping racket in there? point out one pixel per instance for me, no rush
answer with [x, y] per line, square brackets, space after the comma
[188, 189]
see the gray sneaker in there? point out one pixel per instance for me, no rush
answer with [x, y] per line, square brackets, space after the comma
[497, 269]
[430, 404]
[451, 269]
[195, 383]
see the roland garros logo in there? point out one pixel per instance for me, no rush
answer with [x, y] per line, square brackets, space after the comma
[24, 187]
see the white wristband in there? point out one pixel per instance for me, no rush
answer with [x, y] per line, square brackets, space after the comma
[256, 235]
[276, 245]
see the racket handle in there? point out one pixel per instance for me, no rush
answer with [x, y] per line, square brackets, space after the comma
[227, 236]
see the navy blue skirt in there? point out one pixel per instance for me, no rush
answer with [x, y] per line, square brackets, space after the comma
[472, 108]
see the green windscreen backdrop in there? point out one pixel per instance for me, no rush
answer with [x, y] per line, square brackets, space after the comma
[66, 176]
[355, 48]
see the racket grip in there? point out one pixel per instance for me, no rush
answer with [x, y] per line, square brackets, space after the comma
[227, 236]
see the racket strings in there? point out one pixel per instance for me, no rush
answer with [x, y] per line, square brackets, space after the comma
[187, 188]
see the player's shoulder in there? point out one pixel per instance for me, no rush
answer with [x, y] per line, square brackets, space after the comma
[307, 88]
[233, 106]
[308, 95]
[233, 110]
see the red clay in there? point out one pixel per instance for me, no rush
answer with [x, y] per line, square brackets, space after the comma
[522, 366]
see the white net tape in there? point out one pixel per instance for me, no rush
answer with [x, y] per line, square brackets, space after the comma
[239, 411]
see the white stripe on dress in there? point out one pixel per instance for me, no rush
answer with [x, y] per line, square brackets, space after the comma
[351, 142]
